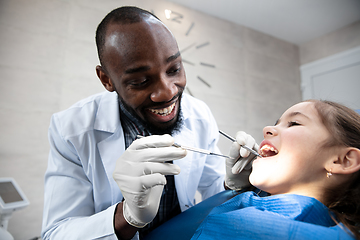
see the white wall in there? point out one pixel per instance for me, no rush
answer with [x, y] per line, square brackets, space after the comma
[334, 78]
[330, 66]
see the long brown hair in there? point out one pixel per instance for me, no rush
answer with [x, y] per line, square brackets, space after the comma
[344, 125]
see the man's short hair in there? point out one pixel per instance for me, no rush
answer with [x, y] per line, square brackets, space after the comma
[122, 15]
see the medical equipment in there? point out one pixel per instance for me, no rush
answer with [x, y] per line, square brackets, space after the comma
[199, 150]
[11, 198]
[244, 146]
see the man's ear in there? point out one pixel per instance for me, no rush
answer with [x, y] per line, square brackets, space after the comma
[104, 78]
[348, 162]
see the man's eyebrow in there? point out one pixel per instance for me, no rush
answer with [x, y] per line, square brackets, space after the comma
[138, 69]
[292, 114]
[173, 57]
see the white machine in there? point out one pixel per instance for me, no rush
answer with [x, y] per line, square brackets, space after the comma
[12, 198]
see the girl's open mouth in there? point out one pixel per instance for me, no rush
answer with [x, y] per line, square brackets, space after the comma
[268, 151]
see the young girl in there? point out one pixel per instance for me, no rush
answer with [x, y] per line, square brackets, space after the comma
[310, 166]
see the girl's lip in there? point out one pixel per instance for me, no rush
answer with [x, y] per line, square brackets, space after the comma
[265, 142]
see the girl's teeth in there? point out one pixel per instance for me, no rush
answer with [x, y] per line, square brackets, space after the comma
[266, 149]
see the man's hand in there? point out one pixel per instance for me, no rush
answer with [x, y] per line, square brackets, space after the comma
[139, 173]
[239, 168]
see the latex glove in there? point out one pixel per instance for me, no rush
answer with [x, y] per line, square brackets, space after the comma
[239, 168]
[139, 173]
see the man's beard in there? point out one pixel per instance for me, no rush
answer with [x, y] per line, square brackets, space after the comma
[171, 129]
[156, 130]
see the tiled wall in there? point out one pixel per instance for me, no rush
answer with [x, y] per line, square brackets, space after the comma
[48, 59]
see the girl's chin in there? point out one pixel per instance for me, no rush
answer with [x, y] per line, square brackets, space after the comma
[259, 176]
[253, 180]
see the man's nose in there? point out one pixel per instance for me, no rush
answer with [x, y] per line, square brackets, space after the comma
[164, 90]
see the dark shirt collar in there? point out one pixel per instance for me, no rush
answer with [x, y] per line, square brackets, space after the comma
[132, 126]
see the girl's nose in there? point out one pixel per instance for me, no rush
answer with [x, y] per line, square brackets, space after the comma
[269, 131]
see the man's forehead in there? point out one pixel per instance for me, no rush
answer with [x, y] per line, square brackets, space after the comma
[134, 32]
[134, 45]
[146, 22]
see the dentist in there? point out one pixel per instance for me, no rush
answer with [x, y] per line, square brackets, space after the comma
[102, 182]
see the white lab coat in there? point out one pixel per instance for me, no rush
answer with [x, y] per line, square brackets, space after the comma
[87, 139]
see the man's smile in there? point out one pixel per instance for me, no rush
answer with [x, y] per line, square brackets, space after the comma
[165, 114]
[163, 111]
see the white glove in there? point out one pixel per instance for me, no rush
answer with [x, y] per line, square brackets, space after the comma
[239, 168]
[139, 173]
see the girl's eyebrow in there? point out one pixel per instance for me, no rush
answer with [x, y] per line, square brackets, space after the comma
[292, 114]
[298, 113]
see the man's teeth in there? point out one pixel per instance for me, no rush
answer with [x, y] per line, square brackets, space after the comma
[163, 111]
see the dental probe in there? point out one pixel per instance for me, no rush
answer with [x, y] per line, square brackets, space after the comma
[199, 150]
[244, 146]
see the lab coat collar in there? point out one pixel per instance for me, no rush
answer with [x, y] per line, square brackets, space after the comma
[184, 106]
[108, 115]
[111, 148]
[185, 137]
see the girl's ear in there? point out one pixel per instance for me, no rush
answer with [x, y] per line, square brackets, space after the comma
[348, 162]
[104, 78]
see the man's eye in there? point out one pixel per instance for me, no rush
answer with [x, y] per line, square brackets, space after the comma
[174, 70]
[293, 123]
[139, 83]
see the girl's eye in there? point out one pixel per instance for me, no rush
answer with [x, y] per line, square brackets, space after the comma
[293, 123]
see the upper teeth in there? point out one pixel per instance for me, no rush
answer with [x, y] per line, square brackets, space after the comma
[268, 148]
[163, 111]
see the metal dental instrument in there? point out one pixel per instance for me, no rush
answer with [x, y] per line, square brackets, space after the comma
[244, 146]
[199, 150]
